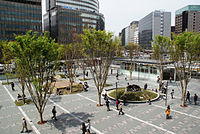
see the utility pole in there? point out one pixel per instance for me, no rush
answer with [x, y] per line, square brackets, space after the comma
[116, 91]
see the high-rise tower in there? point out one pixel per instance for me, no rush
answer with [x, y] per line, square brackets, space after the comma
[69, 17]
[19, 16]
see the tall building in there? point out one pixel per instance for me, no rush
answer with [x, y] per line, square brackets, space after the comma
[127, 35]
[130, 33]
[122, 36]
[19, 16]
[133, 32]
[69, 17]
[155, 23]
[187, 18]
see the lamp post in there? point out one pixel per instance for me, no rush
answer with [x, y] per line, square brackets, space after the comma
[116, 90]
[166, 94]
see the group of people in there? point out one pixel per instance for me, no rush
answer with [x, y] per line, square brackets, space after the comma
[117, 102]
[188, 98]
[85, 127]
[85, 86]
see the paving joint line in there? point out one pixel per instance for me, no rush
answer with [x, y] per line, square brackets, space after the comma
[22, 111]
[93, 128]
[135, 118]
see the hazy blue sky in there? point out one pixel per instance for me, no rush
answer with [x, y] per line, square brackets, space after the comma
[120, 13]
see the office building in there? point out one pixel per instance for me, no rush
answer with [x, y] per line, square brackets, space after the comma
[187, 18]
[19, 16]
[69, 17]
[155, 23]
[129, 34]
[133, 32]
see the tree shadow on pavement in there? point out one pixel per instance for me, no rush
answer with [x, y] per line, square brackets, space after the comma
[56, 98]
[66, 120]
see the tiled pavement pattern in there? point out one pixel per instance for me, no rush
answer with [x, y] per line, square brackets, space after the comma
[72, 109]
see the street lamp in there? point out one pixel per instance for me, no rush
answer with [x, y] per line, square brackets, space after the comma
[116, 90]
[166, 94]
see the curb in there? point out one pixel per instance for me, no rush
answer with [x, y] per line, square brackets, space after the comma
[136, 102]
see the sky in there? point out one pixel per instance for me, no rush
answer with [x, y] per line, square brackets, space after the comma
[120, 13]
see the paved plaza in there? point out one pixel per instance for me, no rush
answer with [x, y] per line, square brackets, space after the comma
[76, 108]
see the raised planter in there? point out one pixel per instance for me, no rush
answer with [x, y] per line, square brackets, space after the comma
[152, 100]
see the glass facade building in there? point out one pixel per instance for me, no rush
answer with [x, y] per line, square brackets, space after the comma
[187, 18]
[69, 17]
[19, 16]
[155, 23]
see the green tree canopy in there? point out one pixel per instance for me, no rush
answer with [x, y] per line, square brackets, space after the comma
[37, 57]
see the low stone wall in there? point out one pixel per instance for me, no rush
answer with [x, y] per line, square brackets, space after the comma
[111, 98]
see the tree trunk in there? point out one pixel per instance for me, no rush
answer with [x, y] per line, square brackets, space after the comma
[71, 83]
[41, 117]
[99, 95]
[83, 74]
[183, 100]
[23, 88]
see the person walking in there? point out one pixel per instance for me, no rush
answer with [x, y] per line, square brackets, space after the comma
[107, 104]
[124, 100]
[167, 112]
[117, 75]
[120, 109]
[117, 104]
[125, 78]
[88, 126]
[172, 94]
[195, 99]
[149, 101]
[24, 125]
[105, 96]
[87, 73]
[145, 86]
[54, 113]
[13, 85]
[166, 84]
[188, 96]
[83, 128]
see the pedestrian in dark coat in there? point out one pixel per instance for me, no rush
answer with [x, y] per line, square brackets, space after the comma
[124, 100]
[195, 99]
[87, 73]
[188, 96]
[145, 86]
[172, 94]
[54, 113]
[83, 128]
[13, 85]
[107, 105]
[117, 75]
[24, 125]
[105, 96]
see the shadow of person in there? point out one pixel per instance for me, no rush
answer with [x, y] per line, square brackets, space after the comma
[66, 120]
[29, 131]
